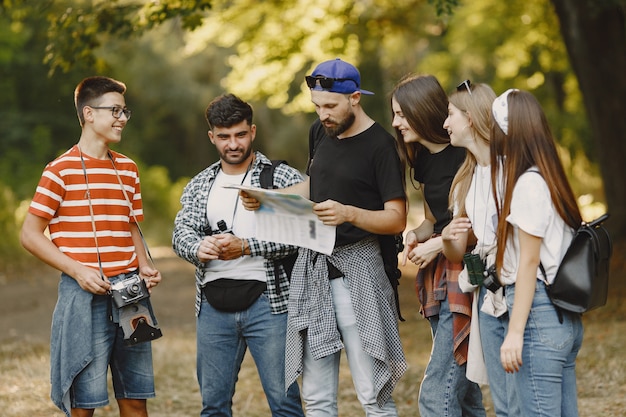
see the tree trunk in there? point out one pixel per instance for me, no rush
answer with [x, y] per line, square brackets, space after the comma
[595, 36]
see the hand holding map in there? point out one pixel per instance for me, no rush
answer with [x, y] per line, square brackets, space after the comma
[289, 219]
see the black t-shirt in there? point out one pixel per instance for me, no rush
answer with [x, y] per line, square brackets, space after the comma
[436, 172]
[362, 171]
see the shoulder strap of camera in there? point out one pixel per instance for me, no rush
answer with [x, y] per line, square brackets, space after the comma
[93, 222]
[130, 207]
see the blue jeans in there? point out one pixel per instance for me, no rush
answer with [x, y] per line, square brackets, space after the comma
[222, 341]
[445, 390]
[320, 378]
[131, 366]
[501, 385]
[546, 381]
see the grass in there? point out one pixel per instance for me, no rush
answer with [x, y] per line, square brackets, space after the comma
[24, 365]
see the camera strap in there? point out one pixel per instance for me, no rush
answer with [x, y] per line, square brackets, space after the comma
[130, 207]
[93, 222]
[232, 221]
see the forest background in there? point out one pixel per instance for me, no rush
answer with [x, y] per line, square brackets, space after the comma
[177, 55]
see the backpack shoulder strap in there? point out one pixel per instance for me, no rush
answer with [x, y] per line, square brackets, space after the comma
[267, 174]
[266, 178]
[316, 134]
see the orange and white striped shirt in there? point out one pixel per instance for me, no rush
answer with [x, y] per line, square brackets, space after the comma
[62, 198]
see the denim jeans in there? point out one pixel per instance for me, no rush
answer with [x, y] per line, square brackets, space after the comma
[501, 384]
[131, 366]
[222, 341]
[546, 381]
[445, 390]
[320, 378]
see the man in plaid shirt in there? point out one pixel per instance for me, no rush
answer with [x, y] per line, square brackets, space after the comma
[239, 303]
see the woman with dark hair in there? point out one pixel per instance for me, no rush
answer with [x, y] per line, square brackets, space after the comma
[538, 215]
[420, 106]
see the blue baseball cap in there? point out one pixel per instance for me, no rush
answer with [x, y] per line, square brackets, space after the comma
[336, 76]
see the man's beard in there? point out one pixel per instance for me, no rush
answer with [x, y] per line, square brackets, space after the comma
[340, 126]
[232, 161]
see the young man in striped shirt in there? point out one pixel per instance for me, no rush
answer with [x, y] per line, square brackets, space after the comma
[89, 199]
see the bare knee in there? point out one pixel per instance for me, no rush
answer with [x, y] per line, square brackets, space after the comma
[132, 407]
[82, 412]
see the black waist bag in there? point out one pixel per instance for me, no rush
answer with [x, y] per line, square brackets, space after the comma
[232, 295]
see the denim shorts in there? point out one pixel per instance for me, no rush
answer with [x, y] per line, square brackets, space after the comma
[131, 366]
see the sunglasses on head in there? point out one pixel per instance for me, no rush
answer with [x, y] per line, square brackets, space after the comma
[325, 82]
[465, 84]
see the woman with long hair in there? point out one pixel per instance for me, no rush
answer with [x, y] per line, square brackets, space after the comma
[420, 106]
[538, 215]
[474, 227]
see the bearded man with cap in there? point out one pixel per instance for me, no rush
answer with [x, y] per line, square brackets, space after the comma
[345, 300]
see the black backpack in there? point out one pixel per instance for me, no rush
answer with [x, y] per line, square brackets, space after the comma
[582, 280]
[390, 247]
[267, 181]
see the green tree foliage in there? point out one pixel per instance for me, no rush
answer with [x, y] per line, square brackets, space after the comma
[176, 55]
[523, 49]
[8, 225]
[276, 43]
[77, 31]
[38, 120]
[29, 120]
[520, 48]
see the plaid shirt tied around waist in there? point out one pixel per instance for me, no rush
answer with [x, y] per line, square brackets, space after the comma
[311, 312]
[435, 282]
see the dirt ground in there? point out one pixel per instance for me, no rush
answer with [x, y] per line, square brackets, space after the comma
[27, 301]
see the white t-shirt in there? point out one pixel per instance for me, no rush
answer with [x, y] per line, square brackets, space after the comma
[224, 204]
[480, 206]
[533, 212]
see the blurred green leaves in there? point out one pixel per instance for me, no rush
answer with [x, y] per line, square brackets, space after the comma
[177, 55]
[78, 29]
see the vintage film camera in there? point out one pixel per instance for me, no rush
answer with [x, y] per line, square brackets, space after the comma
[134, 317]
[129, 291]
[478, 275]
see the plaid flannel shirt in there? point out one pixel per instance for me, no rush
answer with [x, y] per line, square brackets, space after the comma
[311, 312]
[192, 218]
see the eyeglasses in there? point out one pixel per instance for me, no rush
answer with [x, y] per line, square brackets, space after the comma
[116, 111]
[466, 84]
[325, 82]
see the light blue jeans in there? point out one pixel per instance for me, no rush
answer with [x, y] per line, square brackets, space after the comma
[445, 390]
[546, 381]
[501, 385]
[131, 366]
[320, 378]
[222, 341]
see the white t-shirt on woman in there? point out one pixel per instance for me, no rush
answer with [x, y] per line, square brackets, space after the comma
[533, 212]
[480, 206]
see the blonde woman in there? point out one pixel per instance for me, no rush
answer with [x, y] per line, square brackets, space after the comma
[474, 223]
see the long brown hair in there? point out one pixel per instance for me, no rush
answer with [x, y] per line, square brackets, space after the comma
[529, 143]
[424, 103]
[478, 106]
